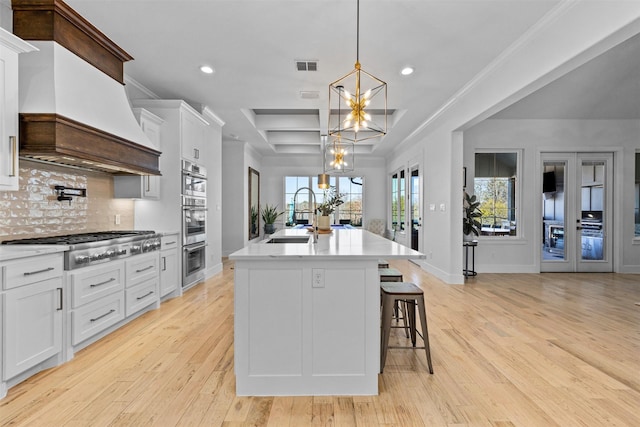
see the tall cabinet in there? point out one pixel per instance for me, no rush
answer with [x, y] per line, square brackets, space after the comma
[182, 136]
[10, 47]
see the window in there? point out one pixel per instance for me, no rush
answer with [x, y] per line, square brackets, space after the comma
[350, 211]
[495, 187]
[397, 200]
[637, 193]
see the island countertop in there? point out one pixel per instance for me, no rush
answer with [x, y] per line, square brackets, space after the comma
[340, 243]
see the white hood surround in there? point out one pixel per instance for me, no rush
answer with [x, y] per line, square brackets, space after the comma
[73, 106]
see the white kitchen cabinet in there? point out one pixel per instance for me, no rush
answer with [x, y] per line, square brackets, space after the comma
[592, 175]
[32, 313]
[142, 282]
[10, 47]
[194, 129]
[97, 299]
[142, 186]
[169, 273]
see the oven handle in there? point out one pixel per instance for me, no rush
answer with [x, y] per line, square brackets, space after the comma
[194, 248]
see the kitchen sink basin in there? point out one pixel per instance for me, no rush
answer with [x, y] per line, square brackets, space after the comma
[289, 239]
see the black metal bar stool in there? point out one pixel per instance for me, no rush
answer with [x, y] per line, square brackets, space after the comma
[394, 275]
[409, 295]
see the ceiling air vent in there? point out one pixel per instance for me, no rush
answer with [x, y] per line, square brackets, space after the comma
[306, 65]
[309, 94]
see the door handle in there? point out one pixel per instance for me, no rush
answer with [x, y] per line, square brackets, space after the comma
[578, 228]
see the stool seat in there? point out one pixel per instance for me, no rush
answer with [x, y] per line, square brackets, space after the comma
[383, 263]
[390, 275]
[409, 296]
[400, 288]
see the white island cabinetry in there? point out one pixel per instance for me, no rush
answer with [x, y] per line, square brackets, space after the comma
[32, 315]
[307, 315]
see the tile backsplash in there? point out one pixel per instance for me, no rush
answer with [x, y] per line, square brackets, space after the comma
[34, 210]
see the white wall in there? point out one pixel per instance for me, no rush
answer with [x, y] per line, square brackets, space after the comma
[533, 137]
[567, 37]
[213, 163]
[234, 190]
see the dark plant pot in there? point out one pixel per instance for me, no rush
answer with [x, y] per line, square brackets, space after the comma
[269, 229]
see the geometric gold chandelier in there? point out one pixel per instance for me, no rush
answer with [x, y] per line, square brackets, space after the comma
[365, 99]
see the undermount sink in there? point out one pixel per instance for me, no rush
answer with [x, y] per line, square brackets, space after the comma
[289, 239]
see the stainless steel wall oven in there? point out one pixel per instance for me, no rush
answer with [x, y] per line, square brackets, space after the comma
[194, 223]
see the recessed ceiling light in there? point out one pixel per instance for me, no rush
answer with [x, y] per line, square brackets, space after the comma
[406, 71]
[206, 69]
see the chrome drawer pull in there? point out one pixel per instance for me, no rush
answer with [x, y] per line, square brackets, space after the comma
[144, 296]
[29, 273]
[104, 315]
[144, 269]
[95, 285]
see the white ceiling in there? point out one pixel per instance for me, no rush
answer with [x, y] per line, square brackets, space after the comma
[253, 46]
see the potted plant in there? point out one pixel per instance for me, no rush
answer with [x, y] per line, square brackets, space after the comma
[326, 208]
[470, 223]
[254, 220]
[269, 215]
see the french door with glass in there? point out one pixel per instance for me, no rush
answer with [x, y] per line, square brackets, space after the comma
[415, 208]
[576, 212]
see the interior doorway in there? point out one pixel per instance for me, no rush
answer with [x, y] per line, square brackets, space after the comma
[577, 212]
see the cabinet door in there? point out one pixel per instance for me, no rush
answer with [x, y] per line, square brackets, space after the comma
[169, 278]
[8, 120]
[193, 137]
[32, 325]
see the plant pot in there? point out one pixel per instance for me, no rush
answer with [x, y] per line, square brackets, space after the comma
[324, 223]
[269, 229]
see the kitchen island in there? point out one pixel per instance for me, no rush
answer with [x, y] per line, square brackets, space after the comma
[307, 315]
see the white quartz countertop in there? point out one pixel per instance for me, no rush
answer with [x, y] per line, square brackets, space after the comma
[340, 243]
[9, 252]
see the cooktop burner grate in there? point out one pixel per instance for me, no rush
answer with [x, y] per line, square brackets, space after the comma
[74, 239]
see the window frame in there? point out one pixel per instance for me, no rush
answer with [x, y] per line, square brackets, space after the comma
[312, 182]
[519, 233]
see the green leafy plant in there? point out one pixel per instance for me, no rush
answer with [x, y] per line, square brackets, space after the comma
[270, 213]
[472, 213]
[331, 201]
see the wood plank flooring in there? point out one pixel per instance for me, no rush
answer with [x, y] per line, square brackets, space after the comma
[508, 350]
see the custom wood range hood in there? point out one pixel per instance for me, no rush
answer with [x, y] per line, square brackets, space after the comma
[73, 106]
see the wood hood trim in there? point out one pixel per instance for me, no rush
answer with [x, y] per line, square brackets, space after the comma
[58, 139]
[54, 20]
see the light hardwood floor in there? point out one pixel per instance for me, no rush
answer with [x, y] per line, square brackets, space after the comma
[508, 350]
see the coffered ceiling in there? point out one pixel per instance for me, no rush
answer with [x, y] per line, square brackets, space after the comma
[258, 47]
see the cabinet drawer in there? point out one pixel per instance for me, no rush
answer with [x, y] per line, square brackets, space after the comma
[91, 283]
[32, 270]
[141, 296]
[170, 242]
[142, 267]
[97, 316]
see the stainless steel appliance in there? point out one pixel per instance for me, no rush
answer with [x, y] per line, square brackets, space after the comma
[193, 263]
[194, 223]
[194, 219]
[87, 249]
[592, 235]
[194, 180]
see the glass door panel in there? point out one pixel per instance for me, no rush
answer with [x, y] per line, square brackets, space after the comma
[416, 217]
